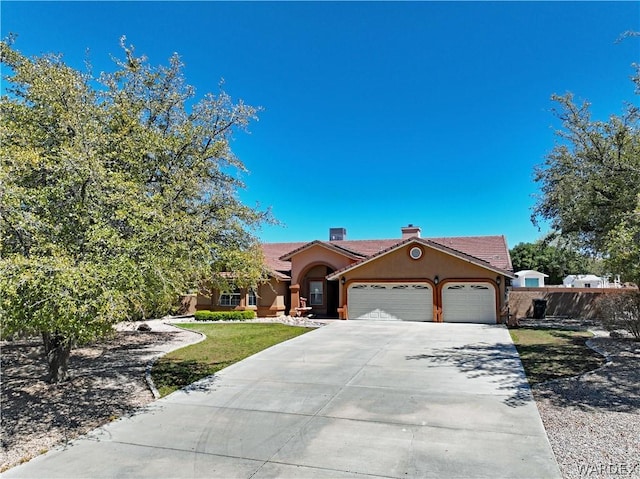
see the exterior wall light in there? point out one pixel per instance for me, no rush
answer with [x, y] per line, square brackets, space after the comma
[498, 279]
[436, 280]
[343, 280]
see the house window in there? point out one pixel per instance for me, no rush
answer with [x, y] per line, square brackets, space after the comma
[316, 293]
[531, 282]
[587, 285]
[230, 299]
[252, 298]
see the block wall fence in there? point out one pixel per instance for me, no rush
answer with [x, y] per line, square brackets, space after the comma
[565, 302]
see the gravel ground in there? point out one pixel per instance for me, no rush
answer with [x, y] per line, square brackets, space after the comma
[592, 421]
[107, 382]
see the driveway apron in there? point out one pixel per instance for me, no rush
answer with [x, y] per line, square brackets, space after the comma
[351, 399]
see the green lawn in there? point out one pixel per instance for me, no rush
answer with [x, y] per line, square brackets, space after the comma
[545, 353]
[225, 344]
[554, 353]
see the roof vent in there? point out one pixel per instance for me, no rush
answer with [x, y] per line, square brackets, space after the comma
[337, 234]
[411, 231]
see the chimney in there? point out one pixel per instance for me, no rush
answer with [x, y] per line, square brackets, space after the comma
[337, 234]
[410, 231]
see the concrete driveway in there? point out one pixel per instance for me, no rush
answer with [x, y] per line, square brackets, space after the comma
[351, 399]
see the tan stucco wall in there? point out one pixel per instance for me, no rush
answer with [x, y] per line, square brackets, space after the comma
[271, 300]
[207, 302]
[398, 265]
[316, 255]
[319, 271]
[569, 302]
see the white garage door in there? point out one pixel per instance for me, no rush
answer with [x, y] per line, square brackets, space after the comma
[391, 301]
[469, 303]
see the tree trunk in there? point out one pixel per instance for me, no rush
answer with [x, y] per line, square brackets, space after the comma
[57, 349]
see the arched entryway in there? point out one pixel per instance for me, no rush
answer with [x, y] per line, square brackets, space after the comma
[322, 295]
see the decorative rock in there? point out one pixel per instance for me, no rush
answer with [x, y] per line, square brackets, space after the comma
[144, 327]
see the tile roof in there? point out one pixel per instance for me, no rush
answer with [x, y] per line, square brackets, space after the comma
[426, 242]
[492, 249]
[272, 253]
[489, 249]
[333, 245]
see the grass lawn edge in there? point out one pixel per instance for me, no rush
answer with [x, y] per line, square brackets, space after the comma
[186, 365]
[549, 354]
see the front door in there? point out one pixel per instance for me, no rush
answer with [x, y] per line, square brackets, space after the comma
[332, 299]
[322, 295]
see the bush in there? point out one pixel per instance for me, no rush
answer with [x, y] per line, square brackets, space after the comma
[224, 315]
[621, 311]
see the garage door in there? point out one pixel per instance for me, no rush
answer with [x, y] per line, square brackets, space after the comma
[391, 301]
[469, 303]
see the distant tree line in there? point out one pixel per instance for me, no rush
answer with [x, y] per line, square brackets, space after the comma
[554, 258]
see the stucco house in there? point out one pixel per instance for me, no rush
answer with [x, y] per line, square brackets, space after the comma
[584, 281]
[529, 278]
[457, 279]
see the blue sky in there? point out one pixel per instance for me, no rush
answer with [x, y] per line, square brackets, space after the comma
[376, 114]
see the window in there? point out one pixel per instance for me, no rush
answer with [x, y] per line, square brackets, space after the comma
[252, 299]
[230, 299]
[531, 282]
[478, 286]
[316, 293]
[415, 253]
[587, 285]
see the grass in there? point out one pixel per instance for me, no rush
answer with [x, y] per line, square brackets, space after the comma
[554, 353]
[545, 353]
[225, 344]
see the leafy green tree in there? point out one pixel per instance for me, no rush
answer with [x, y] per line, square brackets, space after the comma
[117, 194]
[590, 181]
[553, 257]
[623, 246]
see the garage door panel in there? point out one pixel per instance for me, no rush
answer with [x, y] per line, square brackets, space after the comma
[469, 303]
[408, 302]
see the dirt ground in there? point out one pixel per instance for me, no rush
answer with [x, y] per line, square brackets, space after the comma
[107, 381]
[592, 420]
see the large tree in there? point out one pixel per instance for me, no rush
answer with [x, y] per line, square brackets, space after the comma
[553, 256]
[590, 182]
[117, 193]
[623, 246]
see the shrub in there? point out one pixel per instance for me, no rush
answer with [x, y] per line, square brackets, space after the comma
[224, 315]
[621, 311]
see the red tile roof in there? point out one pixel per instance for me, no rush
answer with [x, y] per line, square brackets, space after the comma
[333, 245]
[272, 253]
[425, 242]
[489, 249]
[492, 249]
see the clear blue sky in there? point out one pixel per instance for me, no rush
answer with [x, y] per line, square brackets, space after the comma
[376, 115]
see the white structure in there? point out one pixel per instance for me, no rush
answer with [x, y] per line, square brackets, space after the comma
[529, 278]
[585, 281]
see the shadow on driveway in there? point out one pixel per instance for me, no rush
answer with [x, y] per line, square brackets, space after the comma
[499, 362]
